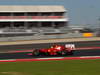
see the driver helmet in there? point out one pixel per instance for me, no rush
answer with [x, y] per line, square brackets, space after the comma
[55, 45]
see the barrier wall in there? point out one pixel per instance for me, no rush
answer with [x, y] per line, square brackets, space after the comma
[42, 37]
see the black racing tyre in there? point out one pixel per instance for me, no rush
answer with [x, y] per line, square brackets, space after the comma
[64, 52]
[35, 53]
[70, 53]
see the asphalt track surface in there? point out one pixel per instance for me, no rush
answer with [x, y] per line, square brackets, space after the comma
[47, 45]
[27, 55]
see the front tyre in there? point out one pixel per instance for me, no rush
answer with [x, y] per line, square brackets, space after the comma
[35, 53]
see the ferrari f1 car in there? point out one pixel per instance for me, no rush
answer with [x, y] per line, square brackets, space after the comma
[55, 50]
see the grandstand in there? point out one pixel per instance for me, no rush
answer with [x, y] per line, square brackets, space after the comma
[28, 19]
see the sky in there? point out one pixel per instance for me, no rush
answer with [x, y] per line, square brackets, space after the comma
[80, 12]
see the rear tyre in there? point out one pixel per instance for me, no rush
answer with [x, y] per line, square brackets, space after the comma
[63, 53]
[70, 53]
[35, 53]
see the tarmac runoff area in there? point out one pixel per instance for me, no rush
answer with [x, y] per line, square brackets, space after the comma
[50, 41]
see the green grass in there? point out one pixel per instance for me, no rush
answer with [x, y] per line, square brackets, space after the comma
[66, 67]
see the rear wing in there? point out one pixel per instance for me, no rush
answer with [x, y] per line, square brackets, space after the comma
[71, 46]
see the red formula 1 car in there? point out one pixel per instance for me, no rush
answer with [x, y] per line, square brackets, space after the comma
[55, 50]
